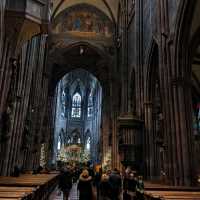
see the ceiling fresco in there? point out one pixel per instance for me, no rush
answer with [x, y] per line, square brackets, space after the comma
[109, 7]
[83, 20]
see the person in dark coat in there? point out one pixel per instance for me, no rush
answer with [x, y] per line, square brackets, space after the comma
[97, 180]
[140, 188]
[116, 184]
[85, 186]
[65, 183]
[105, 188]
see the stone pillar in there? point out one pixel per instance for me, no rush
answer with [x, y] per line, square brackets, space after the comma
[5, 75]
[176, 97]
[2, 11]
[51, 112]
[149, 140]
[181, 94]
[20, 105]
[139, 61]
[124, 65]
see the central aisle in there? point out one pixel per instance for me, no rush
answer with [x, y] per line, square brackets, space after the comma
[73, 194]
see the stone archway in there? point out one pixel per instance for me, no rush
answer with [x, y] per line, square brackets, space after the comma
[154, 140]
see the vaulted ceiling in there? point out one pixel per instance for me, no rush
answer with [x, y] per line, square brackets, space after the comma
[64, 54]
[109, 7]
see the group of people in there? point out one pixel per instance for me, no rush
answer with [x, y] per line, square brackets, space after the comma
[96, 185]
[133, 185]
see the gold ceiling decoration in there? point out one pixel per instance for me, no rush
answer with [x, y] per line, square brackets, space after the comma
[109, 7]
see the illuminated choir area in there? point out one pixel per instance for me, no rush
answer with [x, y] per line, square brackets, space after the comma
[78, 118]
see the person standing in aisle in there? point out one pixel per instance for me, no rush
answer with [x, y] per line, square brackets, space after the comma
[116, 184]
[65, 183]
[85, 186]
[140, 188]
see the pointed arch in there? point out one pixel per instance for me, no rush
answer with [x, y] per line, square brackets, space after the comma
[181, 37]
[152, 69]
[107, 5]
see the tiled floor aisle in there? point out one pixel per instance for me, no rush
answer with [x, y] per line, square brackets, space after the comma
[56, 195]
[73, 194]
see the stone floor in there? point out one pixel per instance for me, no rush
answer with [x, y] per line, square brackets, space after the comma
[57, 195]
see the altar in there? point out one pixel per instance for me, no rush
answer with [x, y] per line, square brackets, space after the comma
[73, 153]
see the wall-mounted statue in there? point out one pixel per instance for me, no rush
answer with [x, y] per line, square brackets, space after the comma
[5, 124]
[26, 136]
[14, 80]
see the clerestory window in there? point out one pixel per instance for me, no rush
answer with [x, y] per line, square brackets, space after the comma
[90, 106]
[76, 106]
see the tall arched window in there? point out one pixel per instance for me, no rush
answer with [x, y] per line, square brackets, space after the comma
[88, 144]
[90, 106]
[59, 143]
[76, 105]
[63, 97]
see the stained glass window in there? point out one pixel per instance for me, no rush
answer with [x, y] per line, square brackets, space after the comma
[76, 105]
[63, 96]
[90, 106]
[88, 144]
[59, 144]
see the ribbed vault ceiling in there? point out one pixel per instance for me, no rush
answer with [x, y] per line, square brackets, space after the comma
[109, 7]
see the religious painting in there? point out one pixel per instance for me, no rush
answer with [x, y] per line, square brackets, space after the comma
[83, 20]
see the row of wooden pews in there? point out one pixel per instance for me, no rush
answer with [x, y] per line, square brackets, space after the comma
[28, 187]
[164, 192]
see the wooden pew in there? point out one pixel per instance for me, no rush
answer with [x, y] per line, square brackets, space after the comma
[9, 198]
[164, 192]
[172, 195]
[17, 192]
[27, 186]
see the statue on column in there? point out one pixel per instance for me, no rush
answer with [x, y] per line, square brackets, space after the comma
[14, 80]
[5, 124]
[6, 117]
[26, 135]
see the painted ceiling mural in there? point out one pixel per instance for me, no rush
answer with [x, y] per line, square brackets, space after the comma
[83, 20]
[109, 7]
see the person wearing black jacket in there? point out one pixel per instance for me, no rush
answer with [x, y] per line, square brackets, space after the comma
[85, 186]
[97, 180]
[105, 188]
[115, 183]
[140, 188]
[65, 183]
